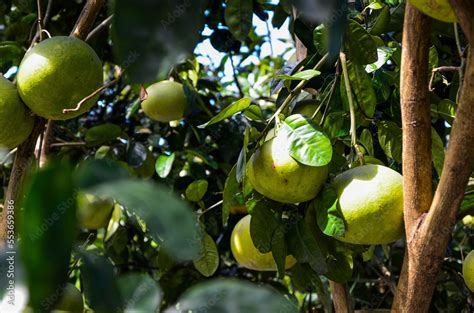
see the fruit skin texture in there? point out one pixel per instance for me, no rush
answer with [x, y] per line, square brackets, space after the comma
[277, 176]
[71, 300]
[437, 9]
[166, 101]
[57, 74]
[468, 270]
[247, 255]
[15, 121]
[371, 202]
[93, 212]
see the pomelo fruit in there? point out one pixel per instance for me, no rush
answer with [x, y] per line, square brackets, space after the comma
[15, 121]
[165, 102]
[468, 270]
[57, 74]
[247, 255]
[93, 212]
[437, 9]
[71, 300]
[371, 202]
[277, 176]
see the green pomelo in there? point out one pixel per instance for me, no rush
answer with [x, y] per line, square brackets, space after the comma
[468, 270]
[93, 212]
[15, 121]
[71, 300]
[277, 176]
[165, 102]
[437, 9]
[57, 74]
[247, 255]
[371, 203]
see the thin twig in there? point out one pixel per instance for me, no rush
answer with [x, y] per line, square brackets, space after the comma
[67, 144]
[105, 24]
[40, 19]
[92, 95]
[441, 69]
[293, 93]
[350, 99]
[234, 73]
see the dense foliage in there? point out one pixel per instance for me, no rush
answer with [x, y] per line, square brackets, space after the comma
[181, 187]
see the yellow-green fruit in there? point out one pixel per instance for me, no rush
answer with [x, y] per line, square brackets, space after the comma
[57, 74]
[468, 220]
[71, 300]
[93, 212]
[15, 121]
[247, 255]
[277, 176]
[437, 9]
[468, 270]
[165, 102]
[371, 202]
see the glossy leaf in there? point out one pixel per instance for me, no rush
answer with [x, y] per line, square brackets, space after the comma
[140, 293]
[262, 226]
[330, 219]
[225, 296]
[390, 139]
[362, 87]
[367, 141]
[101, 134]
[279, 249]
[303, 75]
[307, 144]
[360, 46]
[231, 189]
[196, 190]
[164, 164]
[207, 261]
[235, 107]
[437, 151]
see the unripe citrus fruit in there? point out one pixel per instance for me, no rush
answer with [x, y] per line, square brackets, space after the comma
[437, 9]
[277, 176]
[57, 74]
[15, 121]
[247, 255]
[165, 102]
[371, 203]
[468, 270]
[93, 212]
[71, 300]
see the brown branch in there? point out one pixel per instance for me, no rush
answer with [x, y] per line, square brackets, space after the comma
[429, 235]
[416, 125]
[87, 18]
[442, 69]
[340, 297]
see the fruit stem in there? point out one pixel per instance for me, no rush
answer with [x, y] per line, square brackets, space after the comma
[293, 94]
[350, 99]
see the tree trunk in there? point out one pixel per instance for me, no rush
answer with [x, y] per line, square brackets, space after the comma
[429, 235]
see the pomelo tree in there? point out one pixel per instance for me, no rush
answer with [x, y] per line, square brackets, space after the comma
[175, 156]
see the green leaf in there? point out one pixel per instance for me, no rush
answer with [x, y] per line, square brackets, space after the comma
[279, 249]
[262, 226]
[254, 112]
[362, 86]
[304, 247]
[164, 164]
[390, 139]
[329, 218]
[321, 39]
[303, 75]
[208, 260]
[140, 292]
[232, 296]
[196, 190]
[47, 232]
[242, 160]
[238, 17]
[307, 144]
[306, 280]
[149, 37]
[433, 58]
[101, 134]
[235, 107]
[231, 189]
[381, 23]
[437, 151]
[445, 109]
[359, 45]
[367, 141]
[168, 218]
[101, 287]
[337, 124]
